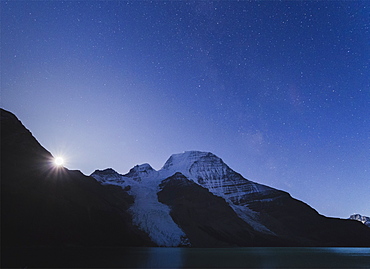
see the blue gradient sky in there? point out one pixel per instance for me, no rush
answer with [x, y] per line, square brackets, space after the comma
[279, 90]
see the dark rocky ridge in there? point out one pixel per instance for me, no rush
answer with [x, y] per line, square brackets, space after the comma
[296, 220]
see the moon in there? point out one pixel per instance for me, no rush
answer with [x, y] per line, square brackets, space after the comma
[58, 161]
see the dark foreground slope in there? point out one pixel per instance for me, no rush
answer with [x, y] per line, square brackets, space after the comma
[42, 205]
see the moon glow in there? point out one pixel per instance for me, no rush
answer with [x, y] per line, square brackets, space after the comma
[58, 161]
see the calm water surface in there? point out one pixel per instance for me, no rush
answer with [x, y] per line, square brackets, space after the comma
[187, 257]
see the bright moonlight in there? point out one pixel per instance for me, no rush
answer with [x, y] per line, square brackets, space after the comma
[58, 161]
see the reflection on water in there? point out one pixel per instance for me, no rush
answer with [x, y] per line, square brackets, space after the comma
[187, 257]
[279, 258]
[351, 251]
[164, 258]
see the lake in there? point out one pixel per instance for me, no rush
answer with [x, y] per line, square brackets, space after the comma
[187, 257]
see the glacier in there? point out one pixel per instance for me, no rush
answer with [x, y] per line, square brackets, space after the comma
[148, 213]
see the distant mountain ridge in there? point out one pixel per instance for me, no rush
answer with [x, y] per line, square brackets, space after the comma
[194, 200]
[365, 220]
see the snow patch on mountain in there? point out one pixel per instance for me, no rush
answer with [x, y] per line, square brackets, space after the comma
[139, 172]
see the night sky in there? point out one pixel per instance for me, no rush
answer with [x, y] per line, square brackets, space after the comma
[280, 90]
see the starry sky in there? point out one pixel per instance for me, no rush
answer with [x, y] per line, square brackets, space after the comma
[280, 90]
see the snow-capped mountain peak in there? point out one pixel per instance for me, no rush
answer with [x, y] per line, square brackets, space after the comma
[108, 176]
[196, 165]
[141, 171]
[365, 220]
[145, 167]
[209, 171]
[184, 161]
